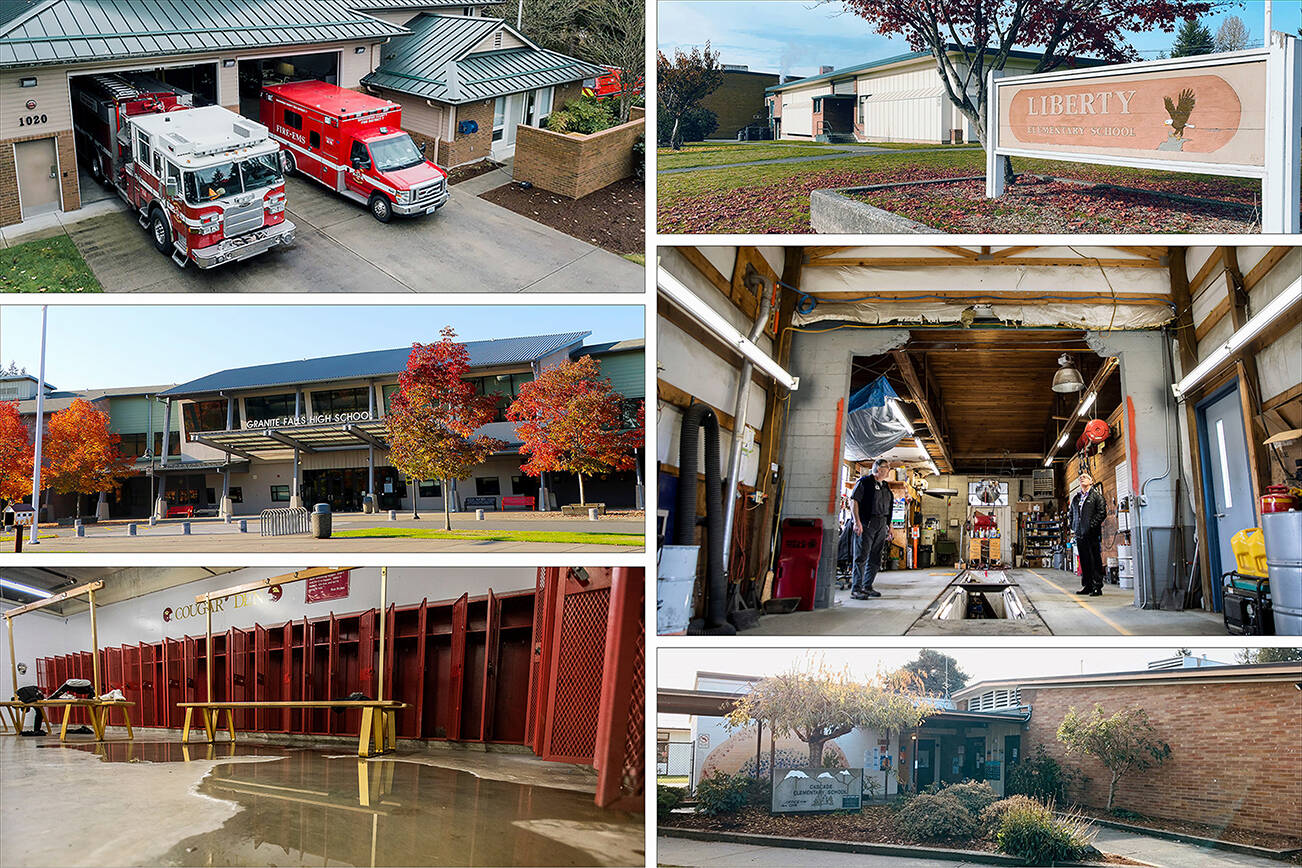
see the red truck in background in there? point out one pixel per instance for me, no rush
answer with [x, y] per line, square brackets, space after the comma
[206, 183]
[609, 84]
[354, 144]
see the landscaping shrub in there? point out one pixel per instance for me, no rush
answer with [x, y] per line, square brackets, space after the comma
[759, 791]
[1029, 830]
[584, 115]
[668, 798]
[1042, 777]
[721, 793]
[639, 158]
[939, 817]
[992, 817]
[976, 796]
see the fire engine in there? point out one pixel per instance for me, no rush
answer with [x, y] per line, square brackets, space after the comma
[354, 144]
[610, 83]
[207, 184]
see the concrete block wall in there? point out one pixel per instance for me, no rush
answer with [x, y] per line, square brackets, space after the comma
[822, 362]
[1236, 751]
[576, 165]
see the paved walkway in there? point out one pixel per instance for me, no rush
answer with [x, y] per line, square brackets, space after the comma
[841, 151]
[1153, 851]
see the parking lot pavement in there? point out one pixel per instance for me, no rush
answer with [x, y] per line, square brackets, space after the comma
[470, 245]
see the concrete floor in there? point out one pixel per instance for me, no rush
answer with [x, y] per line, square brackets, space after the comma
[1148, 851]
[907, 593]
[470, 245]
[151, 802]
[214, 535]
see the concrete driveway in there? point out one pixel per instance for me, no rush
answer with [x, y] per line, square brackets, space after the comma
[470, 245]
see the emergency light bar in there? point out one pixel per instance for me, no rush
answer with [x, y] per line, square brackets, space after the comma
[707, 316]
[1273, 310]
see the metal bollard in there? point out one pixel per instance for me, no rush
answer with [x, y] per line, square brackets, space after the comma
[393, 515]
[321, 521]
[185, 528]
[479, 515]
[244, 525]
[153, 520]
[592, 513]
[80, 528]
[131, 530]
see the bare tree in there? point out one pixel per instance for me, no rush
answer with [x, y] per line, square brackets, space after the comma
[1232, 35]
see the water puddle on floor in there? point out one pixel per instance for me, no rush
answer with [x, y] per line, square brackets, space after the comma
[314, 810]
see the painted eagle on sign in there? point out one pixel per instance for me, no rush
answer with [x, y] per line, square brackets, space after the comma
[1179, 110]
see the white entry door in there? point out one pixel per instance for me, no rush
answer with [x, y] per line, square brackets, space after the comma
[508, 113]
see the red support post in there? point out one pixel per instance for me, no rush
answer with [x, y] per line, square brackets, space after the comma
[458, 668]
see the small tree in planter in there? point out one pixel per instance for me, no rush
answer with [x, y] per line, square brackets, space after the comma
[817, 705]
[81, 452]
[1123, 743]
[571, 419]
[433, 417]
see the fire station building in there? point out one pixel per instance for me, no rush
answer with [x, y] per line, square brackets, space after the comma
[222, 52]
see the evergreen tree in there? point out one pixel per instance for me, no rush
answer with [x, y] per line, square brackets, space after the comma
[1193, 38]
[1269, 655]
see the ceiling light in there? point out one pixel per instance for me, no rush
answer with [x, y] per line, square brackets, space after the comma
[25, 589]
[1087, 403]
[1067, 378]
[899, 413]
[707, 316]
[1264, 317]
[935, 471]
[918, 443]
[1062, 439]
[1048, 461]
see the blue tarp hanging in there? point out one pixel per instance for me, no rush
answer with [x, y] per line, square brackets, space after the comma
[871, 427]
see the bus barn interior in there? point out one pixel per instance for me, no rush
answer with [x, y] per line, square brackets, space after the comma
[492, 716]
[989, 377]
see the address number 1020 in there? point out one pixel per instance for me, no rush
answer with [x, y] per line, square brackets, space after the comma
[32, 120]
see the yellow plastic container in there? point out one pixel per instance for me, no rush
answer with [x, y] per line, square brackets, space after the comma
[1249, 547]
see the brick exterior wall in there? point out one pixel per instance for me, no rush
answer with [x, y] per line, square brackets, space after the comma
[575, 165]
[10, 209]
[739, 101]
[1236, 750]
[468, 148]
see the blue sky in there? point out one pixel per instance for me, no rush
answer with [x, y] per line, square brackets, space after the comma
[795, 37]
[110, 346]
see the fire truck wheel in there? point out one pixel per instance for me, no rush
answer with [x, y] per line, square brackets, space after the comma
[96, 170]
[381, 208]
[160, 231]
[291, 165]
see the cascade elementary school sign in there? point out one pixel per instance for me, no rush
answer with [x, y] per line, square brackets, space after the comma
[1236, 114]
[818, 789]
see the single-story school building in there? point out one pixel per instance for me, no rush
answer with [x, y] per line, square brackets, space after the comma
[464, 80]
[242, 440]
[895, 99]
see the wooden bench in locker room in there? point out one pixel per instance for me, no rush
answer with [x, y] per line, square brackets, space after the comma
[378, 729]
[98, 709]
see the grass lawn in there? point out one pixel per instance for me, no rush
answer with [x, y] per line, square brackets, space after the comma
[775, 198]
[913, 146]
[48, 265]
[567, 537]
[672, 780]
[722, 155]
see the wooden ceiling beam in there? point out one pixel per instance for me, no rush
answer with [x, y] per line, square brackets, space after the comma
[915, 386]
[954, 261]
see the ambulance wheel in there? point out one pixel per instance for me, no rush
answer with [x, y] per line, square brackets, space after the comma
[160, 231]
[291, 165]
[381, 208]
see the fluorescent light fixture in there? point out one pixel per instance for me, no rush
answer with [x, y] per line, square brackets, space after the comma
[935, 471]
[227, 64]
[707, 316]
[25, 589]
[1062, 439]
[1087, 403]
[918, 443]
[1048, 461]
[899, 413]
[1273, 310]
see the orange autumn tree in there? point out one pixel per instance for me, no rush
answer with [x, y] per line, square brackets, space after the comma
[571, 419]
[15, 455]
[81, 453]
[433, 417]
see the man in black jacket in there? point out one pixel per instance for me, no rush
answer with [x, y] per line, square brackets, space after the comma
[870, 506]
[1087, 513]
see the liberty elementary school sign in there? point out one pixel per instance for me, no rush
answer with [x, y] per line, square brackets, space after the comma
[1238, 113]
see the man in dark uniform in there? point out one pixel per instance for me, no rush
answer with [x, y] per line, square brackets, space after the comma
[870, 506]
[1087, 513]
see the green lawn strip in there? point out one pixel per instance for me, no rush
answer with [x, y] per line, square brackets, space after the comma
[48, 265]
[639, 258]
[564, 536]
[671, 780]
[913, 146]
[723, 155]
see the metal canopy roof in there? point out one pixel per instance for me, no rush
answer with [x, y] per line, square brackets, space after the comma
[435, 62]
[74, 31]
[377, 363]
[257, 442]
[191, 466]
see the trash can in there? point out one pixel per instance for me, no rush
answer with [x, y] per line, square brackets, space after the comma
[368, 504]
[321, 521]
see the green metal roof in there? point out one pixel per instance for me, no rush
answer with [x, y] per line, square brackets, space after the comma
[435, 62]
[78, 31]
[369, 5]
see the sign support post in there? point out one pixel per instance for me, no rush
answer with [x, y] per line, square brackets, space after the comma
[994, 177]
[1281, 189]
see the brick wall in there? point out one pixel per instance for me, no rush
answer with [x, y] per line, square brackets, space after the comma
[1236, 751]
[10, 209]
[468, 148]
[739, 101]
[575, 165]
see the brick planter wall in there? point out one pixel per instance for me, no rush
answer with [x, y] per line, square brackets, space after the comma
[10, 209]
[576, 165]
[1236, 751]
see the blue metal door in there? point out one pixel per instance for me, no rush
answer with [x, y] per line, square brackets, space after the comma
[1227, 484]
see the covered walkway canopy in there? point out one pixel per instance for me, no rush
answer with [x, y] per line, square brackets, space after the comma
[258, 442]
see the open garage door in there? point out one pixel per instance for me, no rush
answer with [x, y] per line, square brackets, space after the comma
[256, 73]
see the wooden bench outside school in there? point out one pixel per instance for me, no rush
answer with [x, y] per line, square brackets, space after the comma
[97, 709]
[378, 729]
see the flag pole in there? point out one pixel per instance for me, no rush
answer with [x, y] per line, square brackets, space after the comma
[40, 429]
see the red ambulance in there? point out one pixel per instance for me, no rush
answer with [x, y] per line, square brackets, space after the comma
[354, 144]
